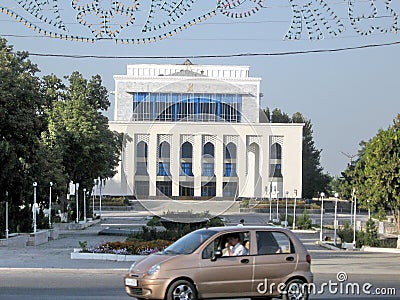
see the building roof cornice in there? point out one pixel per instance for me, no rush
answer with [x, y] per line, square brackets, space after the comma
[170, 77]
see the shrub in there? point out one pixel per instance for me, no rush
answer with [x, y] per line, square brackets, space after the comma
[215, 222]
[346, 234]
[304, 222]
[289, 219]
[155, 221]
[367, 238]
[371, 234]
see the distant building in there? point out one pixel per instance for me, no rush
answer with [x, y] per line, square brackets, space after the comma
[195, 133]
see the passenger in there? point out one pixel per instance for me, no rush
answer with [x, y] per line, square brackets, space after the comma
[234, 247]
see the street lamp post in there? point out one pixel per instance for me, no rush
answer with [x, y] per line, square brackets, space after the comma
[351, 211]
[51, 184]
[34, 206]
[77, 201]
[101, 183]
[322, 214]
[93, 192]
[277, 205]
[335, 222]
[84, 205]
[294, 209]
[355, 213]
[270, 202]
[6, 215]
[287, 193]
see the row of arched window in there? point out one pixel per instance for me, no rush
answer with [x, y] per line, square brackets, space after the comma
[186, 150]
[208, 150]
[186, 155]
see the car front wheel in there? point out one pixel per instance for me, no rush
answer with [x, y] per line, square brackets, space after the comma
[182, 290]
[295, 290]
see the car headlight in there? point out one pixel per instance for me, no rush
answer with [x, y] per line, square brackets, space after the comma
[132, 266]
[154, 269]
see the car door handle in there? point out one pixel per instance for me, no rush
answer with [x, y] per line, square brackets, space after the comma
[244, 261]
[290, 258]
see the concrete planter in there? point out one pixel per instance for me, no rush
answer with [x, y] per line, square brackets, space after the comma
[53, 234]
[38, 238]
[104, 256]
[14, 240]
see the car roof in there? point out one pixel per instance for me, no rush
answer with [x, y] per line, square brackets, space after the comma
[246, 227]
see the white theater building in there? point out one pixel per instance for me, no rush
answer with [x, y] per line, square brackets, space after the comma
[195, 132]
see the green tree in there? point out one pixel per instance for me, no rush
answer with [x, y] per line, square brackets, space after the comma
[382, 170]
[20, 125]
[375, 176]
[49, 132]
[313, 178]
[80, 133]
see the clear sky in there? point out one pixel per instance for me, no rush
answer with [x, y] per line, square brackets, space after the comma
[348, 95]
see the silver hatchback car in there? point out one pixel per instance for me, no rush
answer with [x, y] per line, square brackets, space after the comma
[256, 262]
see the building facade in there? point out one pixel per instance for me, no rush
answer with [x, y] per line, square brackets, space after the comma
[196, 132]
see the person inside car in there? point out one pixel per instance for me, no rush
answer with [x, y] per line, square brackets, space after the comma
[234, 247]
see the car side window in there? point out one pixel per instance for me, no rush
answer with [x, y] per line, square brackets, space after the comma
[209, 251]
[273, 242]
[235, 244]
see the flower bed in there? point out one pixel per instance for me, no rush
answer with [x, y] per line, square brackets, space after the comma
[119, 251]
[127, 248]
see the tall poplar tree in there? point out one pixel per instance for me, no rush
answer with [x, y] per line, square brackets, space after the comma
[313, 178]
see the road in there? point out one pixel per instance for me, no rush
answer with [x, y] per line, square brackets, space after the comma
[45, 272]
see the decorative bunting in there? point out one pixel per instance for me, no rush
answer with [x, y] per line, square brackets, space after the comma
[314, 17]
[229, 8]
[369, 21]
[312, 13]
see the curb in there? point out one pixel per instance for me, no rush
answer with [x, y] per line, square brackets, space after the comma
[105, 256]
[380, 250]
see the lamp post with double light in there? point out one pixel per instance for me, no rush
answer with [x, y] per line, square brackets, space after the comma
[322, 214]
[34, 206]
[335, 224]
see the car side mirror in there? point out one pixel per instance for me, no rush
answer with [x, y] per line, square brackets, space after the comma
[217, 254]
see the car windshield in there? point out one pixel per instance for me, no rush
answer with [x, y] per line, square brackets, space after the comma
[188, 243]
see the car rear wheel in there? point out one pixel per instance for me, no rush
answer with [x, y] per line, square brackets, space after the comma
[295, 290]
[182, 290]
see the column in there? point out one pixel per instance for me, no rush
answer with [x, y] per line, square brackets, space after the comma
[152, 165]
[174, 163]
[219, 165]
[196, 164]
